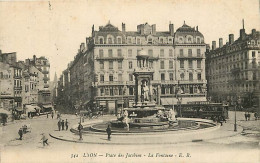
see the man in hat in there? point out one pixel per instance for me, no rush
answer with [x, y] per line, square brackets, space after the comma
[108, 132]
[80, 127]
[59, 124]
[62, 124]
[20, 132]
[66, 124]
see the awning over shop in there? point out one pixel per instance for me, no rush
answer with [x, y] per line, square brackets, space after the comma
[185, 100]
[47, 106]
[30, 108]
[3, 111]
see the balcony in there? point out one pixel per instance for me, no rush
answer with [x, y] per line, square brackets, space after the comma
[130, 82]
[109, 83]
[190, 57]
[18, 88]
[117, 58]
[175, 82]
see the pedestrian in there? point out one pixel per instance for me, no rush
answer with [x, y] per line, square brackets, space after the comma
[108, 132]
[62, 124]
[248, 115]
[66, 124]
[52, 114]
[20, 132]
[255, 115]
[44, 139]
[47, 115]
[59, 124]
[245, 116]
[80, 127]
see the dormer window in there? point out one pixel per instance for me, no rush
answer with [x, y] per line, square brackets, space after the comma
[180, 40]
[198, 40]
[161, 40]
[150, 40]
[129, 40]
[101, 41]
[110, 39]
[119, 40]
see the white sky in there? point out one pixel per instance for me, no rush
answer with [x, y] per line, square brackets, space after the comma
[33, 27]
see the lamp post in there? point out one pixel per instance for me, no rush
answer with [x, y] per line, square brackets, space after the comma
[238, 102]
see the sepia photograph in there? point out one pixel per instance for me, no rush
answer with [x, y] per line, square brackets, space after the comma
[155, 81]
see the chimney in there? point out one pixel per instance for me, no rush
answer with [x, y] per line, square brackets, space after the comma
[34, 59]
[154, 29]
[93, 30]
[220, 42]
[171, 29]
[213, 45]
[197, 28]
[243, 32]
[253, 33]
[231, 38]
[123, 27]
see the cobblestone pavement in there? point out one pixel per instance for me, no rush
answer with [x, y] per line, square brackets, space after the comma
[239, 148]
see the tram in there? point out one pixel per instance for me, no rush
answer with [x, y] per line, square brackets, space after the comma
[202, 109]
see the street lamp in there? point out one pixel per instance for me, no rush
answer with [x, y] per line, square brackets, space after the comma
[238, 102]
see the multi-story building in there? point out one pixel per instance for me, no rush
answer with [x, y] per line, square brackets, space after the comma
[233, 69]
[110, 58]
[6, 87]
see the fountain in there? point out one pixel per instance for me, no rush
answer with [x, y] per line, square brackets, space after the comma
[145, 116]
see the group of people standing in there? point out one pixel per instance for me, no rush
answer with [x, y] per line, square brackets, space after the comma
[62, 125]
[248, 115]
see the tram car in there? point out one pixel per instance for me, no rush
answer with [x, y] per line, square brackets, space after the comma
[203, 110]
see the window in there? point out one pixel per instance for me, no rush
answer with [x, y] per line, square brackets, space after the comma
[190, 52]
[182, 76]
[101, 41]
[109, 40]
[198, 40]
[190, 76]
[170, 53]
[131, 91]
[246, 67]
[162, 76]
[130, 64]
[245, 55]
[190, 64]
[199, 76]
[181, 52]
[254, 76]
[162, 53]
[150, 40]
[119, 52]
[161, 40]
[110, 64]
[102, 78]
[111, 91]
[119, 40]
[111, 77]
[150, 64]
[163, 90]
[189, 39]
[130, 52]
[170, 64]
[101, 53]
[181, 63]
[253, 54]
[102, 91]
[198, 64]
[129, 40]
[138, 41]
[198, 52]
[130, 77]
[162, 64]
[119, 64]
[171, 76]
[150, 52]
[101, 65]
[120, 77]
[110, 53]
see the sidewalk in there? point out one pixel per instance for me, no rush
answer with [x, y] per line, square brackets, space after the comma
[171, 137]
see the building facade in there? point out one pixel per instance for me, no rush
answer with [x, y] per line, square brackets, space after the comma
[233, 69]
[110, 58]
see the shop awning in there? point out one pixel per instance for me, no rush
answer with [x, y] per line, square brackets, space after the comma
[30, 108]
[3, 111]
[168, 101]
[47, 106]
[19, 109]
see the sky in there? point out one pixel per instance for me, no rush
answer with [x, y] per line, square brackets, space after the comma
[56, 29]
